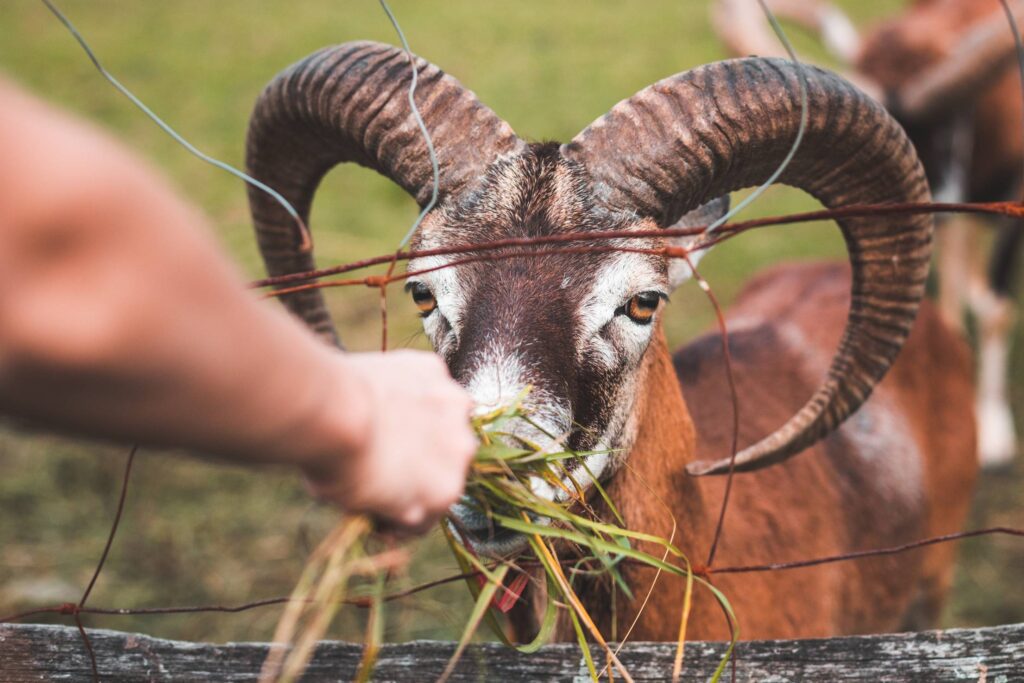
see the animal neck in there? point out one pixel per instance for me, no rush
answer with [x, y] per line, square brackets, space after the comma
[654, 494]
[652, 491]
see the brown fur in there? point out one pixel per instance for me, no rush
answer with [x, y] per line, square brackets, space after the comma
[897, 51]
[821, 503]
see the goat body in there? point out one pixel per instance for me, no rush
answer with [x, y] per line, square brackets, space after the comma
[899, 470]
[895, 55]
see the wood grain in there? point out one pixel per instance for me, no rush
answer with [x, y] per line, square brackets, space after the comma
[991, 655]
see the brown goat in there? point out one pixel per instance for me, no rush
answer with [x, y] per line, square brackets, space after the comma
[933, 36]
[584, 330]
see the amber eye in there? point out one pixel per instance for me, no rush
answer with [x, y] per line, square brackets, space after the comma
[642, 307]
[422, 297]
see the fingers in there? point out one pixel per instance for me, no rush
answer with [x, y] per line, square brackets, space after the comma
[439, 485]
[413, 465]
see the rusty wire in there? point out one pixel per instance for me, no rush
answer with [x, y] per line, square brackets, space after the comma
[518, 248]
[505, 249]
[523, 248]
[1009, 209]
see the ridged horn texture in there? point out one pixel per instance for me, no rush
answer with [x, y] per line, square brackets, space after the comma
[350, 103]
[727, 126]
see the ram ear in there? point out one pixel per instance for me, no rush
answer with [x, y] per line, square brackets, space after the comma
[678, 269]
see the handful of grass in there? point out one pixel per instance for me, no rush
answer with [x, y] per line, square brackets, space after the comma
[499, 486]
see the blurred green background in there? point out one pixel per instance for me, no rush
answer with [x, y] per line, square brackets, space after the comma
[200, 533]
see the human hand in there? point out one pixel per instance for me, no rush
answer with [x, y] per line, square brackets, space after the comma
[411, 439]
[121, 318]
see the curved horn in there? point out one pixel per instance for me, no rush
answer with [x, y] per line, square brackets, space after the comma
[350, 103]
[726, 126]
[976, 60]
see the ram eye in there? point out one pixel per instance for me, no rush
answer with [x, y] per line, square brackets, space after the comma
[642, 307]
[422, 297]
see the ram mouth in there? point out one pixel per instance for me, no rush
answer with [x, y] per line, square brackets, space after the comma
[484, 535]
[476, 526]
[533, 466]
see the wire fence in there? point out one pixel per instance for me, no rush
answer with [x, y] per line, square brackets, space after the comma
[574, 243]
[511, 249]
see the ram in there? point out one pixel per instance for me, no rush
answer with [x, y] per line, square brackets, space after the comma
[946, 70]
[585, 330]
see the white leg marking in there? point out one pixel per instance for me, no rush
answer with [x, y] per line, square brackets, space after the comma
[997, 437]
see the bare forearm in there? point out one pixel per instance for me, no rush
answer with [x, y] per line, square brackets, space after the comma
[119, 317]
[242, 384]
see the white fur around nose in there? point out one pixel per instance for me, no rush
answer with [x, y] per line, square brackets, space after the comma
[502, 380]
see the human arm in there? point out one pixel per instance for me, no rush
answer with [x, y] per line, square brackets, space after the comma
[119, 317]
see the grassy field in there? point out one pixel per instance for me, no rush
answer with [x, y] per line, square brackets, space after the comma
[199, 533]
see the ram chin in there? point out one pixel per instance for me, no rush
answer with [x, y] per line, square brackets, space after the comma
[549, 428]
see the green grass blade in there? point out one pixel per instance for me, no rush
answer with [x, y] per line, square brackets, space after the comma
[547, 626]
[474, 588]
[547, 508]
[374, 630]
[480, 608]
[604, 494]
[581, 539]
[581, 638]
[684, 619]
[724, 602]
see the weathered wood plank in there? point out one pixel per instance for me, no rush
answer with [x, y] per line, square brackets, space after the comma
[56, 653]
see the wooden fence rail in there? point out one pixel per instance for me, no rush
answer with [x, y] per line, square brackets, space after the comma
[31, 652]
